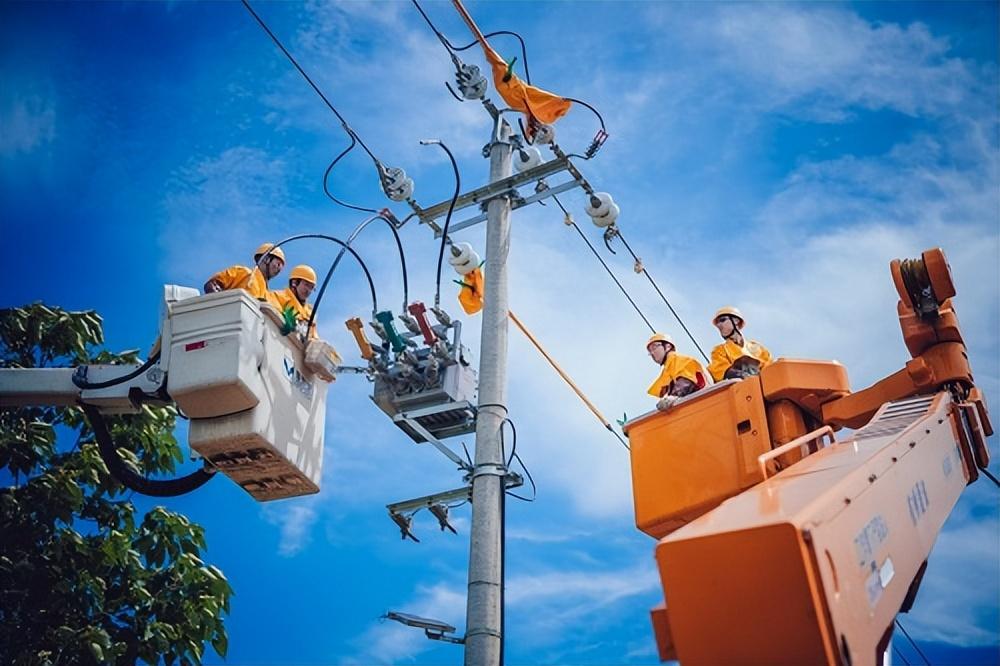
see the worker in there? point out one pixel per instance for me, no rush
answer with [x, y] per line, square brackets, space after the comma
[268, 262]
[680, 375]
[736, 357]
[293, 301]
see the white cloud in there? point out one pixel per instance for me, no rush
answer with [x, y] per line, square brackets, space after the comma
[808, 263]
[825, 60]
[295, 521]
[390, 642]
[28, 122]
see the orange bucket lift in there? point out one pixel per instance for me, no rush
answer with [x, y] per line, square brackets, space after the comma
[805, 548]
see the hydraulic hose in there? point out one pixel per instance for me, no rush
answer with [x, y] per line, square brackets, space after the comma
[80, 381]
[133, 481]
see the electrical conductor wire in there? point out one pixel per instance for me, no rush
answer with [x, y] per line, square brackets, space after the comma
[912, 643]
[319, 92]
[662, 297]
[900, 655]
[603, 263]
[447, 220]
[326, 177]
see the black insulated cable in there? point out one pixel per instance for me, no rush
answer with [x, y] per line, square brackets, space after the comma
[447, 220]
[912, 643]
[649, 277]
[319, 92]
[989, 474]
[371, 283]
[603, 263]
[326, 179]
[136, 482]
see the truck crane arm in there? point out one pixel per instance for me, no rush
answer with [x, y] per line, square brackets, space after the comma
[803, 547]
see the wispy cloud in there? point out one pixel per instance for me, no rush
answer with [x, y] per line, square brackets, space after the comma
[28, 122]
[295, 522]
[389, 642]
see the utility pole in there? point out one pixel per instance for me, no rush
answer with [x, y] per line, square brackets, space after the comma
[483, 612]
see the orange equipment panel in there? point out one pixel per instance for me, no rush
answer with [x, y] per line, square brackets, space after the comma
[812, 565]
[704, 450]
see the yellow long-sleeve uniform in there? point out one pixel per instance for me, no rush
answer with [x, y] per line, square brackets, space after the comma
[675, 367]
[241, 277]
[724, 355]
[286, 298]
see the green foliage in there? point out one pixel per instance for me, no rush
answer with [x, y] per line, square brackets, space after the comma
[83, 578]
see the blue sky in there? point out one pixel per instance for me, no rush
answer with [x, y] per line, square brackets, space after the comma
[775, 156]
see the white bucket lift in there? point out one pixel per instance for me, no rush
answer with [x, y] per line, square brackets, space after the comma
[256, 398]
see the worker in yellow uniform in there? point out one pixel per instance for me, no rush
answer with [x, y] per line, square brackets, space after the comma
[293, 301]
[736, 357]
[679, 375]
[268, 263]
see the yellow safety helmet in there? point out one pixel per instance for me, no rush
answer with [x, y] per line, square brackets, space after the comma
[303, 272]
[661, 337]
[732, 312]
[265, 247]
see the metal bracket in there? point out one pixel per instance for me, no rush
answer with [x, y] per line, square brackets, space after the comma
[428, 215]
[409, 418]
[511, 480]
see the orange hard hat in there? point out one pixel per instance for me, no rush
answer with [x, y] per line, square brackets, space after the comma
[732, 312]
[661, 337]
[266, 247]
[303, 272]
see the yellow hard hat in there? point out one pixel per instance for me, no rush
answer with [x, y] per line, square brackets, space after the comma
[731, 311]
[263, 249]
[661, 337]
[303, 272]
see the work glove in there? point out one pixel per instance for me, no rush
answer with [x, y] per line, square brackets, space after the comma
[290, 321]
[666, 402]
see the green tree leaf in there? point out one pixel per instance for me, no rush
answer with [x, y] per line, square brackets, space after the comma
[82, 578]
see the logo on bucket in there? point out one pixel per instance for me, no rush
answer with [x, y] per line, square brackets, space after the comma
[297, 379]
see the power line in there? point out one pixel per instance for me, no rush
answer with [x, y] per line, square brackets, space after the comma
[642, 269]
[912, 643]
[900, 655]
[570, 222]
[277, 42]
[326, 177]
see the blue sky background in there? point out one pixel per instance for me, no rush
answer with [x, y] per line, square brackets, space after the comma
[775, 156]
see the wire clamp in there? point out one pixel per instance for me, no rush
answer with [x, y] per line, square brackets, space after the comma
[489, 469]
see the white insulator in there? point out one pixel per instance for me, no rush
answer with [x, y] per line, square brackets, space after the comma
[471, 83]
[608, 218]
[544, 134]
[397, 185]
[599, 204]
[527, 158]
[466, 260]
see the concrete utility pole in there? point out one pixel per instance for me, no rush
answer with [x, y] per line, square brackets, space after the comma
[483, 613]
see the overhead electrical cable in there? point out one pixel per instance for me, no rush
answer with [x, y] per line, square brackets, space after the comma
[326, 178]
[364, 267]
[319, 92]
[452, 50]
[640, 268]
[900, 655]
[447, 221]
[571, 223]
[912, 643]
